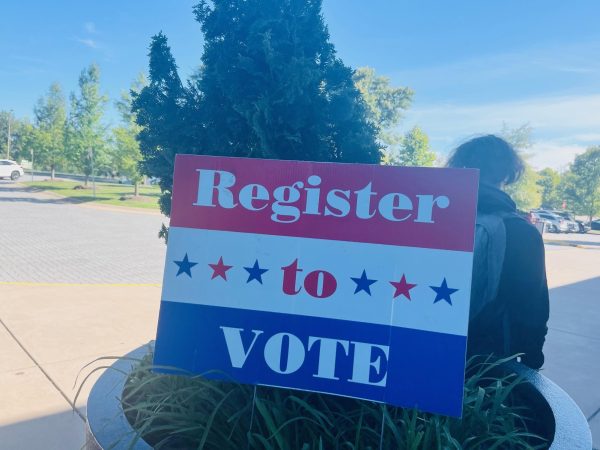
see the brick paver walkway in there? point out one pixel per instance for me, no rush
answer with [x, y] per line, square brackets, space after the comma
[58, 241]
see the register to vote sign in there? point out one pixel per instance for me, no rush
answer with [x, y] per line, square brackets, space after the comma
[347, 279]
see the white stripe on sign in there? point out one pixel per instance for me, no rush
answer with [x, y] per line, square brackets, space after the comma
[330, 279]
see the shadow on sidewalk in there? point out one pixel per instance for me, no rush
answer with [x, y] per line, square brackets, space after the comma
[573, 243]
[572, 349]
[9, 192]
[51, 201]
[59, 431]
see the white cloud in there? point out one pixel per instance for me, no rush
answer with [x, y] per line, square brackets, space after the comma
[563, 126]
[592, 138]
[578, 112]
[90, 27]
[553, 154]
[88, 43]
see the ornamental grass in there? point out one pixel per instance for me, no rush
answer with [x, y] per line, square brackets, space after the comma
[192, 412]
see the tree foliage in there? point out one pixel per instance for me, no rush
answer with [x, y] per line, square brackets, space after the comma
[126, 154]
[5, 117]
[271, 86]
[50, 116]
[525, 192]
[549, 182]
[414, 150]
[21, 136]
[23, 139]
[582, 183]
[386, 105]
[86, 135]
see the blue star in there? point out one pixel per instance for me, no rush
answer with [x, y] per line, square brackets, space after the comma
[443, 292]
[185, 266]
[255, 272]
[363, 283]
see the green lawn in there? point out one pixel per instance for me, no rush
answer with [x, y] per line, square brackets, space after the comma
[106, 193]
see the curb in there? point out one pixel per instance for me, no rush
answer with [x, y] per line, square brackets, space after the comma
[69, 200]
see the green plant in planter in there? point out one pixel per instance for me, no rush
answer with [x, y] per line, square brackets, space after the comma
[173, 412]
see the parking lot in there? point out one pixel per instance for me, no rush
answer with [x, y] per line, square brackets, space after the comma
[78, 282]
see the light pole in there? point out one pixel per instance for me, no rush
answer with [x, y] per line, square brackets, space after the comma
[8, 136]
[32, 164]
[91, 155]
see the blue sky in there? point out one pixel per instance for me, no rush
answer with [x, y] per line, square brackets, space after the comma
[474, 65]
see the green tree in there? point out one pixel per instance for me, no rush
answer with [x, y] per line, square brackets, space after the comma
[24, 140]
[525, 192]
[582, 183]
[386, 105]
[126, 154]
[414, 150]
[271, 86]
[21, 137]
[85, 133]
[50, 116]
[549, 182]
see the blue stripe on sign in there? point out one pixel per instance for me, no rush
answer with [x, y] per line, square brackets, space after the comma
[424, 369]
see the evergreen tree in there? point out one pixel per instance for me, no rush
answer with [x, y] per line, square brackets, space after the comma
[85, 134]
[50, 115]
[271, 86]
[158, 110]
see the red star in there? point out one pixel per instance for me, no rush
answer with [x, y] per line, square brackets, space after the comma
[402, 287]
[219, 269]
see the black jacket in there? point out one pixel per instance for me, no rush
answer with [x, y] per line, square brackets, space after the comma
[523, 290]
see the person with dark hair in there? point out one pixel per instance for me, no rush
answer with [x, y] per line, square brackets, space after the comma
[509, 296]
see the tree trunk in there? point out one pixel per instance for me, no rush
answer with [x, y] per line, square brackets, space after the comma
[52, 172]
[136, 189]
[87, 177]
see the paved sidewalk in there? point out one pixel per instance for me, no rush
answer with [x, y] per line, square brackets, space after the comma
[78, 282]
[572, 346]
[48, 334]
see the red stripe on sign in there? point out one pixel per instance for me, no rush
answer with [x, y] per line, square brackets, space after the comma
[414, 207]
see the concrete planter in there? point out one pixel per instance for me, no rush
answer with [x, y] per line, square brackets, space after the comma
[108, 428]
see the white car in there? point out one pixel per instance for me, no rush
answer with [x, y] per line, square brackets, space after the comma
[10, 169]
[554, 223]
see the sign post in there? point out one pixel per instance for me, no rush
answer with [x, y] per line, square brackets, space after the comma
[346, 279]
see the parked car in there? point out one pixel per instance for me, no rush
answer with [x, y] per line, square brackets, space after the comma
[595, 224]
[574, 225]
[553, 223]
[10, 169]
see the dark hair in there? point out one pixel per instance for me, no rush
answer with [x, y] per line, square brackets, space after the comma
[497, 161]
